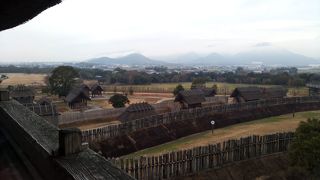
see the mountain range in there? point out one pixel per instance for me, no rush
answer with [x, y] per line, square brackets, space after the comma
[265, 55]
[131, 59]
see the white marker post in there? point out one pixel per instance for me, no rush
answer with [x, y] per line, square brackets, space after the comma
[212, 125]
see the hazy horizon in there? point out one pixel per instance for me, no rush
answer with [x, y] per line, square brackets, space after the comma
[84, 29]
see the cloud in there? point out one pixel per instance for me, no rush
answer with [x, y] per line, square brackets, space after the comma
[262, 44]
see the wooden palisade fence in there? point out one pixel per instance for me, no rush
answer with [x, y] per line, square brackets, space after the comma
[151, 121]
[186, 162]
[76, 116]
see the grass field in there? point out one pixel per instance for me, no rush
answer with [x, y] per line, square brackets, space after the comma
[275, 124]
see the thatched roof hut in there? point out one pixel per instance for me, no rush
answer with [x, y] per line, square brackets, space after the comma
[137, 111]
[190, 98]
[96, 89]
[245, 94]
[77, 98]
[84, 88]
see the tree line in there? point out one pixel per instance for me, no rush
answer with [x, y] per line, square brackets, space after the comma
[134, 77]
[120, 76]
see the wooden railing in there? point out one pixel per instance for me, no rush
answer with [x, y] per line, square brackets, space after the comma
[185, 162]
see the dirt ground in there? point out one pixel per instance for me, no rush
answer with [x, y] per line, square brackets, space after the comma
[152, 98]
[22, 78]
[270, 125]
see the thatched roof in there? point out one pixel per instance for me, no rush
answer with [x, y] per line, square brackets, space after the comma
[137, 111]
[257, 93]
[139, 107]
[16, 12]
[194, 96]
[75, 93]
[248, 93]
[96, 87]
[84, 87]
[22, 91]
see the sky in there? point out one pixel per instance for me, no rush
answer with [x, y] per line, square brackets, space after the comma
[82, 29]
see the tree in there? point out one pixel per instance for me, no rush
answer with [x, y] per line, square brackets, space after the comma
[198, 83]
[177, 89]
[118, 100]
[215, 87]
[63, 78]
[304, 152]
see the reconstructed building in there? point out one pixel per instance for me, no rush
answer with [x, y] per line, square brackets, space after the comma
[23, 94]
[96, 90]
[314, 89]
[77, 98]
[190, 98]
[137, 111]
[85, 88]
[246, 94]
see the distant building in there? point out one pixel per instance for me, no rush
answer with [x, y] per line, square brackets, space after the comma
[77, 98]
[190, 98]
[96, 90]
[137, 111]
[314, 89]
[246, 94]
[23, 94]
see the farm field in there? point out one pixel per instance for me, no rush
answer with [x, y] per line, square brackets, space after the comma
[269, 125]
[22, 78]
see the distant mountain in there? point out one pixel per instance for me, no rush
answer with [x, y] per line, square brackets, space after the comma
[213, 58]
[274, 56]
[265, 55]
[131, 59]
[181, 58]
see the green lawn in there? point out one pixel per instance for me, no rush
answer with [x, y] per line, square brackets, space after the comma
[274, 124]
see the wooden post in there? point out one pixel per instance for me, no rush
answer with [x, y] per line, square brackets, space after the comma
[69, 141]
[4, 95]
